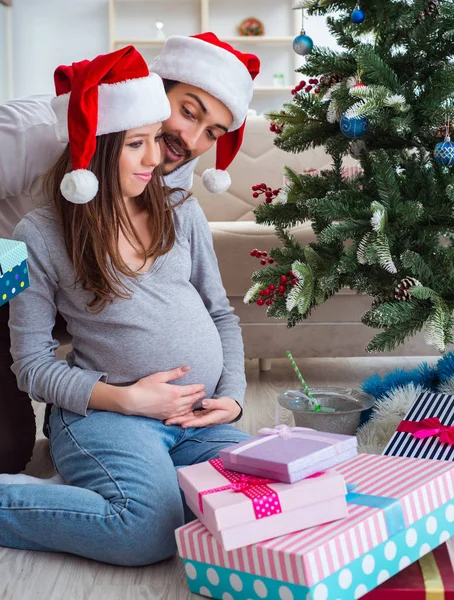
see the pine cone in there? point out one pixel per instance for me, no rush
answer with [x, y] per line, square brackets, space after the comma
[357, 147]
[401, 292]
[442, 130]
[431, 8]
[332, 79]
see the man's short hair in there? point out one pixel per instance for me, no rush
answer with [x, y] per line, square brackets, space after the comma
[169, 84]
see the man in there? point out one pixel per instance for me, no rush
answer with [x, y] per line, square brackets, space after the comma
[209, 85]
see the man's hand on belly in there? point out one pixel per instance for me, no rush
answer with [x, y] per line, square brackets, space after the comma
[215, 412]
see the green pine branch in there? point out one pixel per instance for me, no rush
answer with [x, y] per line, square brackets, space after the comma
[376, 70]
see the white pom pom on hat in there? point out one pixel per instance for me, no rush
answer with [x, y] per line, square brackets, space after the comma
[79, 186]
[206, 62]
[216, 181]
[113, 92]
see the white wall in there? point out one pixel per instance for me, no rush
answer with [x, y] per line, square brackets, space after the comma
[316, 27]
[47, 33]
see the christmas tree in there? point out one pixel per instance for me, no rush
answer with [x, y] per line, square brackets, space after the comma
[387, 99]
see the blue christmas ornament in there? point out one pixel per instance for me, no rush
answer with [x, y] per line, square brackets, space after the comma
[354, 127]
[444, 152]
[303, 44]
[358, 15]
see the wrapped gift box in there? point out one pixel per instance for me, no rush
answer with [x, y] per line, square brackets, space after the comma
[427, 430]
[401, 509]
[432, 577]
[241, 510]
[289, 454]
[13, 269]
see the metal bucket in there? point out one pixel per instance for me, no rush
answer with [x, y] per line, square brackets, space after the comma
[348, 403]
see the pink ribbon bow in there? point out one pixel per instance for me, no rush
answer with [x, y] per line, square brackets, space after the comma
[264, 499]
[428, 428]
[247, 481]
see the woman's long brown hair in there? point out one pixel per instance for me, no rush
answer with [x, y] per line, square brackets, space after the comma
[91, 230]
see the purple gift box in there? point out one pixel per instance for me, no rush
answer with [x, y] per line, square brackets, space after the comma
[289, 454]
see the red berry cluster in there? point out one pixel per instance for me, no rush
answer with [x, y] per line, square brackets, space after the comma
[264, 258]
[272, 293]
[308, 87]
[262, 188]
[276, 128]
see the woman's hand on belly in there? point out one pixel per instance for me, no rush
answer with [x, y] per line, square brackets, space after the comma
[215, 412]
[154, 397]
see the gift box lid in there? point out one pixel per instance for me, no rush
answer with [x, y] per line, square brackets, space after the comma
[287, 449]
[12, 253]
[207, 485]
[391, 494]
[427, 430]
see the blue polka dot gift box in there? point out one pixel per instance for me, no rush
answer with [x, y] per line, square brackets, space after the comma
[13, 269]
[240, 509]
[427, 430]
[400, 509]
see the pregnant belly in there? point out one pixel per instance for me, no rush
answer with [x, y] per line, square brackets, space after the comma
[187, 339]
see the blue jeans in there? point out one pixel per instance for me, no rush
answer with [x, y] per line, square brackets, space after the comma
[123, 502]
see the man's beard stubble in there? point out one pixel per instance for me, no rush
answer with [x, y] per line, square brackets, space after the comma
[167, 164]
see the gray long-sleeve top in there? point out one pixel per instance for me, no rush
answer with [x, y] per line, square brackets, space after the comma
[178, 314]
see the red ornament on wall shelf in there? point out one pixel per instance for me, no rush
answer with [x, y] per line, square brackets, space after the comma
[251, 26]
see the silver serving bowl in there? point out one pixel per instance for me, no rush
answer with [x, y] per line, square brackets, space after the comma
[348, 403]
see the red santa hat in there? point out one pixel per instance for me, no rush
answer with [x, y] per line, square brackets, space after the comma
[227, 74]
[113, 92]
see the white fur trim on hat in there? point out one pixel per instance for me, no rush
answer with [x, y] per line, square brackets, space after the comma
[79, 186]
[121, 106]
[213, 69]
[216, 181]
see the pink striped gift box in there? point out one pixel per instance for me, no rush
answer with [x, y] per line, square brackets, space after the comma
[416, 487]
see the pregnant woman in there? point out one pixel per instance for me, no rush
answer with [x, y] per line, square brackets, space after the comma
[130, 266]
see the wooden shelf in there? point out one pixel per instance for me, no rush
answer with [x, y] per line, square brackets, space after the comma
[273, 88]
[260, 39]
[132, 42]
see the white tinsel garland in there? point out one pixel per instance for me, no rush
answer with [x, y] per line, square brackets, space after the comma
[386, 416]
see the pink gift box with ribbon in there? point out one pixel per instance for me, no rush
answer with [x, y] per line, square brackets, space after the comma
[289, 454]
[240, 510]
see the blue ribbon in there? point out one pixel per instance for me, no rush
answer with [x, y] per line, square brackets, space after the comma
[392, 508]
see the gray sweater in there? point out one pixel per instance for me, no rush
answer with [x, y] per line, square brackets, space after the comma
[178, 314]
